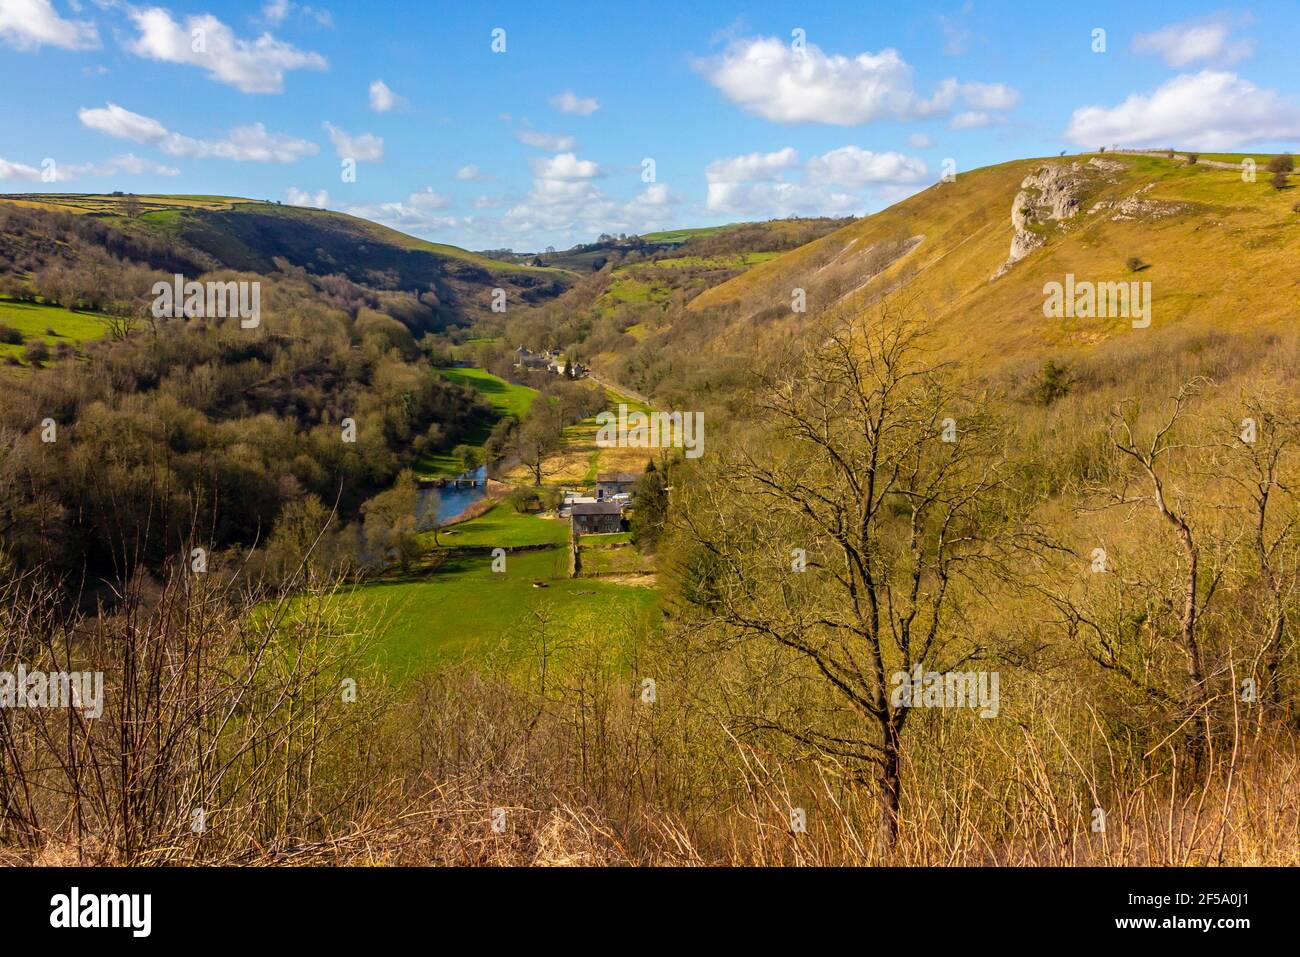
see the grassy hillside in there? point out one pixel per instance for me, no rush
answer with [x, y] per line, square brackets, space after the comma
[251, 235]
[1218, 252]
[50, 324]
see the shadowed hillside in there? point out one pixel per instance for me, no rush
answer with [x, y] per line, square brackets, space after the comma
[251, 236]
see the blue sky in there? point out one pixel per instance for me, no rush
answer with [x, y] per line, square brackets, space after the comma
[748, 110]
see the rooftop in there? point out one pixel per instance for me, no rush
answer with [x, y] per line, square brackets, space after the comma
[597, 508]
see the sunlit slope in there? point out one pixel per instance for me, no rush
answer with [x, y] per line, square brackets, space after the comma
[1216, 250]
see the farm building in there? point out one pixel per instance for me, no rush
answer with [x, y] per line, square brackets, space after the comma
[595, 517]
[525, 358]
[609, 484]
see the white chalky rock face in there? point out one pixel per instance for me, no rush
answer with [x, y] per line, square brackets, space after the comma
[1052, 194]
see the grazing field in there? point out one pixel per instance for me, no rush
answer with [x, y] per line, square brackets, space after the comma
[33, 319]
[506, 398]
[607, 560]
[682, 235]
[465, 608]
[503, 527]
[125, 204]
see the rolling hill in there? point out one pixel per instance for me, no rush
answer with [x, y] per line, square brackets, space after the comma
[251, 235]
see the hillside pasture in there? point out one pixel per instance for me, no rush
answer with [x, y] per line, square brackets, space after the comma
[33, 319]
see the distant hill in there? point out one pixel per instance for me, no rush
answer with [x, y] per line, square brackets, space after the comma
[251, 235]
[732, 238]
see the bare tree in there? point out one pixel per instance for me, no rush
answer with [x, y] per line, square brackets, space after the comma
[1260, 461]
[849, 537]
[1150, 458]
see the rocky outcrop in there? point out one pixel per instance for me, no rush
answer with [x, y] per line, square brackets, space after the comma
[1137, 207]
[1052, 194]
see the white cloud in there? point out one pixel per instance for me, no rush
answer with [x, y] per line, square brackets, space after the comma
[551, 142]
[418, 213]
[253, 66]
[758, 185]
[990, 96]
[1182, 43]
[773, 80]
[365, 148]
[251, 143]
[122, 123]
[124, 164]
[565, 200]
[489, 202]
[277, 11]
[778, 200]
[10, 170]
[1210, 110]
[470, 173]
[427, 199]
[298, 197]
[566, 167]
[753, 167]
[383, 99]
[973, 120]
[568, 102]
[31, 24]
[855, 168]
[920, 141]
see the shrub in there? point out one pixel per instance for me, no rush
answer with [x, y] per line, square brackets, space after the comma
[1052, 382]
[36, 352]
[10, 336]
[1278, 180]
[1281, 164]
[524, 500]
[1193, 158]
[1135, 263]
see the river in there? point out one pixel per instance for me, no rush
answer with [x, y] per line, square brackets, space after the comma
[448, 502]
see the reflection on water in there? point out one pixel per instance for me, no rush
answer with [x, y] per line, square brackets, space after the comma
[444, 504]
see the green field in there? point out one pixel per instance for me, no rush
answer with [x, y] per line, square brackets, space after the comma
[506, 397]
[503, 527]
[465, 608]
[32, 319]
[682, 235]
[611, 561]
[628, 289]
